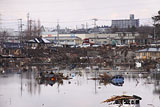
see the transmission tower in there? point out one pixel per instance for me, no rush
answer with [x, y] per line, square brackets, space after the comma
[94, 29]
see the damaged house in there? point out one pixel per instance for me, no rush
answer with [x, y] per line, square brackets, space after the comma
[12, 49]
[148, 53]
[38, 43]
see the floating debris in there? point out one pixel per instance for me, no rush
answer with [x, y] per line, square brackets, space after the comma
[51, 78]
[124, 101]
[116, 80]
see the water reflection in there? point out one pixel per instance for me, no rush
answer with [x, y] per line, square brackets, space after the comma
[26, 86]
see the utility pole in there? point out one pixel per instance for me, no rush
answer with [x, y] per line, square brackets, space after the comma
[39, 28]
[154, 31]
[0, 22]
[28, 26]
[58, 31]
[20, 29]
[30, 29]
[95, 20]
[28, 21]
[1, 38]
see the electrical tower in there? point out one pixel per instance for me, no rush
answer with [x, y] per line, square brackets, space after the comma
[94, 29]
[58, 31]
[28, 26]
[20, 25]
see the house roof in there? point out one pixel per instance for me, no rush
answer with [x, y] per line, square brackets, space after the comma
[122, 97]
[39, 40]
[12, 45]
[63, 38]
[149, 50]
[45, 40]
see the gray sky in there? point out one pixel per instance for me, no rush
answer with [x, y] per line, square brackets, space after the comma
[77, 12]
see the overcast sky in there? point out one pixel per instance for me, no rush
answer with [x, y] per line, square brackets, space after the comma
[77, 12]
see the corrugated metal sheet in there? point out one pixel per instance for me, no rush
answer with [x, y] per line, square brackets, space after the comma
[149, 50]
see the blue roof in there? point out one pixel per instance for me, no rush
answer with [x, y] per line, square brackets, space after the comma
[149, 50]
[12, 45]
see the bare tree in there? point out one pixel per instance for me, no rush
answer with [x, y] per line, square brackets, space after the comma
[156, 24]
[33, 30]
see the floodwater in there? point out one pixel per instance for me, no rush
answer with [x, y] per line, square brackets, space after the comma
[24, 90]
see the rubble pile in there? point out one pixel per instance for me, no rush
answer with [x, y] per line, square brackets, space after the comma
[79, 57]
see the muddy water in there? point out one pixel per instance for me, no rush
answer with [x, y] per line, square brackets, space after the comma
[24, 90]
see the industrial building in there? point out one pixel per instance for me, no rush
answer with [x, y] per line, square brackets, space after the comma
[102, 39]
[126, 23]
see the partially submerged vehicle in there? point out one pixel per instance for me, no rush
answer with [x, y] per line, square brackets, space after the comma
[117, 80]
[51, 78]
[123, 101]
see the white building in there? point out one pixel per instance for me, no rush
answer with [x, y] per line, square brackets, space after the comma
[118, 38]
[9, 35]
[95, 38]
[103, 39]
[126, 23]
[65, 40]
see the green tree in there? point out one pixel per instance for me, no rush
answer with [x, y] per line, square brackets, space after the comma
[156, 24]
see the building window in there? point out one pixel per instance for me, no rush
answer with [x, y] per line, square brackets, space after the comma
[124, 34]
[119, 34]
[153, 54]
[132, 102]
[61, 40]
[137, 101]
[143, 54]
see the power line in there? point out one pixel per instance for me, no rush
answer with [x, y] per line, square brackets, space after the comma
[10, 22]
[14, 20]
[67, 21]
[0, 21]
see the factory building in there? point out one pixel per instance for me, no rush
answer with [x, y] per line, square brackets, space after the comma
[126, 23]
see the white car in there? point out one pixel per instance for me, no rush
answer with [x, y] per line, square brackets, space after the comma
[84, 45]
[121, 45]
[95, 45]
[58, 45]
